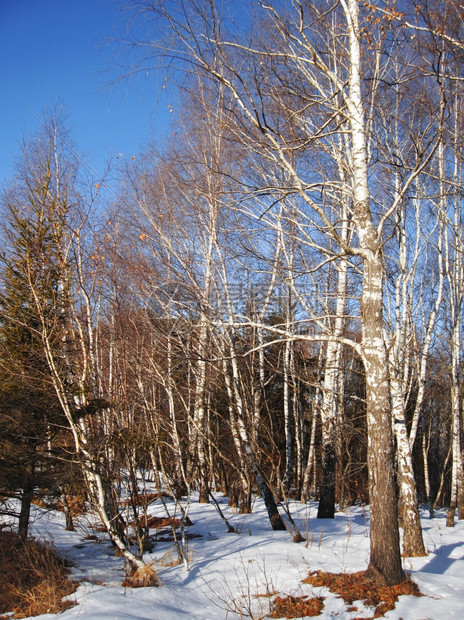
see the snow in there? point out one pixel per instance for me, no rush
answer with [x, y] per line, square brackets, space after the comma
[228, 571]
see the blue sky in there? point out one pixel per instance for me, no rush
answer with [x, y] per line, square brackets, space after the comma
[58, 52]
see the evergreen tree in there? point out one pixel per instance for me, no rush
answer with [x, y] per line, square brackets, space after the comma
[32, 298]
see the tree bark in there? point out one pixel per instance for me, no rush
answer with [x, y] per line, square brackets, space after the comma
[413, 544]
[385, 556]
[25, 511]
[457, 469]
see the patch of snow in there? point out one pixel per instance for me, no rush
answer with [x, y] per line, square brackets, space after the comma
[228, 571]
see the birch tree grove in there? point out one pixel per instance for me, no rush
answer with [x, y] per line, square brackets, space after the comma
[256, 120]
[273, 301]
[311, 87]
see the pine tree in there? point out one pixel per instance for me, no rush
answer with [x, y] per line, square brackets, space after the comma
[32, 293]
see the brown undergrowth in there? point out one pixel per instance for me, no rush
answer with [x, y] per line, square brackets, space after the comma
[141, 577]
[296, 606]
[33, 580]
[364, 587]
[75, 504]
[144, 499]
[159, 522]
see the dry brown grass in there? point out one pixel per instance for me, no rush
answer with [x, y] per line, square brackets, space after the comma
[142, 577]
[33, 580]
[171, 558]
[362, 586]
[156, 523]
[296, 606]
[144, 499]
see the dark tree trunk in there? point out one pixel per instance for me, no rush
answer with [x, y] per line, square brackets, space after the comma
[271, 506]
[67, 514]
[25, 512]
[326, 509]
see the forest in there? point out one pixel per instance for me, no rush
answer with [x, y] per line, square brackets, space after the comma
[268, 303]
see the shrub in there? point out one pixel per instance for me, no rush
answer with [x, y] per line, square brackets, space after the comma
[33, 579]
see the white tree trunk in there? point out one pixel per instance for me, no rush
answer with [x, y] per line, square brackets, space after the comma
[385, 557]
[413, 544]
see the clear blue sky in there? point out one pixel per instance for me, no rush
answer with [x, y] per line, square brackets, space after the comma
[57, 52]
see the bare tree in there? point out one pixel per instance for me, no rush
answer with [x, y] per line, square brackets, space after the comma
[296, 52]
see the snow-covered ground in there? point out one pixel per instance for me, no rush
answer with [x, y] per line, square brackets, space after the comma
[228, 571]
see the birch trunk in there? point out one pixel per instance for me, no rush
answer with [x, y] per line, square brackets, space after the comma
[413, 544]
[331, 410]
[200, 430]
[457, 471]
[182, 485]
[329, 414]
[454, 265]
[309, 479]
[400, 371]
[264, 489]
[287, 405]
[310, 469]
[385, 557]
[199, 414]
[238, 439]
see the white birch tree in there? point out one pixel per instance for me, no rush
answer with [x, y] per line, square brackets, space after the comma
[315, 75]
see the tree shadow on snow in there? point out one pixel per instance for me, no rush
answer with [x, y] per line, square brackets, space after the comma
[442, 560]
